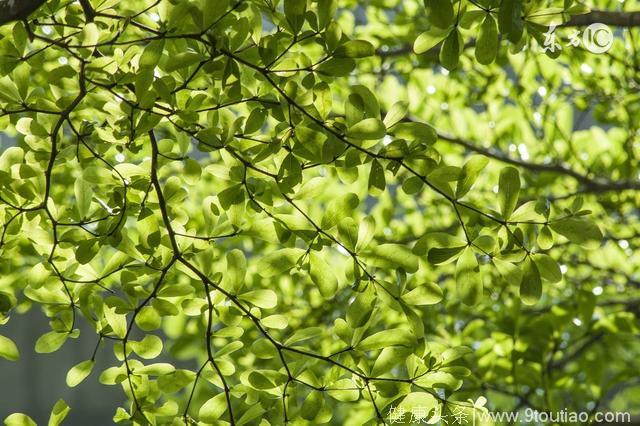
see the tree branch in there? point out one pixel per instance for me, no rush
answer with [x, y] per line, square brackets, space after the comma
[591, 340]
[614, 19]
[591, 184]
[89, 13]
[14, 10]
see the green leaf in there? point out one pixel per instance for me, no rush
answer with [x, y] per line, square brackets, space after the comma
[487, 42]
[152, 54]
[441, 247]
[265, 299]
[442, 256]
[213, 409]
[192, 171]
[326, 13]
[260, 381]
[231, 196]
[360, 309]
[279, 261]
[255, 121]
[338, 209]
[157, 369]
[471, 18]
[440, 12]
[468, 278]
[231, 347]
[386, 338]
[508, 191]
[148, 319]
[253, 412]
[277, 321]
[510, 19]
[113, 375]
[322, 275]
[348, 231]
[8, 90]
[451, 49]
[8, 349]
[423, 401]
[412, 185]
[578, 230]
[20, 36]
[510, 272]
[547, 16]
[527, 212]
[19, 419]
[438, 240]
[545, 238]
[393, 256]
[294, 11]
[377, 182]
[429, 39]
[469, 175]
[396, 113]
[549, 268]
[454, 354]
[118, 322]
[233, 278]
[419, 131]
[302, 335]
[79, 372]
[312, 405]
[58, 413]
[90, 36]
[148, 348]
[50, 342]
[369, 128]
[440, 379]
[578, 9]
[7, 302]
[84, 193]
[182, 60]
[176, 381]
[336, 67]
[425, 294]
[531, 286]
[354, 49]
[366, 232]
[344, 390]
[290, 173]
[86, 251]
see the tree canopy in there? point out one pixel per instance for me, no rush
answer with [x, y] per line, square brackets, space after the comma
[320, 212]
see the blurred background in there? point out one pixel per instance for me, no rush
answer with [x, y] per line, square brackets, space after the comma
[33, 384]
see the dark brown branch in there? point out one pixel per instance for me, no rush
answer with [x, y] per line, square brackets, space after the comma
[614, 19]
[15, 10]
[590, 184]
[591, 340]
[89, 13]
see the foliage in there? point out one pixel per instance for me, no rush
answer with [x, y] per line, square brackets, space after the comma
[279, 213]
